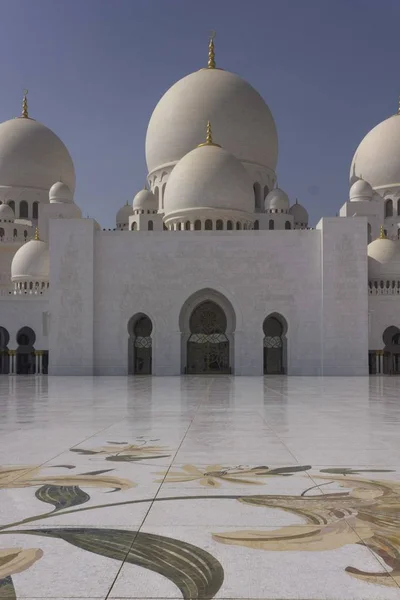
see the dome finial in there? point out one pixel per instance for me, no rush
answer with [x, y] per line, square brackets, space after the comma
[382, 235]
[24, 113]
[211, 51]
[209, 140]
[37, 238]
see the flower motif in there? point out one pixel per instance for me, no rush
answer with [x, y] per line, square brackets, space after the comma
[122, 451]
[214, 475]
[368, 514]
[29, 476]
[16, 560]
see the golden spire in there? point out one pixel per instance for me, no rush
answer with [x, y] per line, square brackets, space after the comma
[24, 113]
[211, 51]
[37, 238]
[209, 140]
[382, 235]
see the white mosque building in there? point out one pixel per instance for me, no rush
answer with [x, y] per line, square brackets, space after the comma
[211, 269]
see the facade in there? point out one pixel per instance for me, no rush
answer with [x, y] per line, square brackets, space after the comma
[224, 275]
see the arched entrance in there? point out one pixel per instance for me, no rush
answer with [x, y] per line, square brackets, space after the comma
[4, 356]
[390, 357]
[26, 359]
[140, 345]
[275, 350]
[208, 344]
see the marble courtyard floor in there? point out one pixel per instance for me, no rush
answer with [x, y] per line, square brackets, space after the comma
[200, 487]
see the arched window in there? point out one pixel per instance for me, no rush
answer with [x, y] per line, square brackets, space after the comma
[369, 232]
[187, 225]
[11, 204]
[156, 194]
[35, 210]
[398, 206]
[1, 232]
[134, 227]
[150, 226]
[23, 209]
[288, 225]
[256, 225]
[197, 225]
[208, 225]
[140, 345]
[385, 231]
[388, 208]
[238, 225]
[26, 359]
[220, 225]
[257, 195]
[229, 225]
[274, 328]
[15, 233]
[271, 224]
[25, 233]
[266, 191]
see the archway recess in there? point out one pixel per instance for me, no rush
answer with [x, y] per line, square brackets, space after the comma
[275, 345]
[140, 345]
[26, 358]
[4, 356]
[207, 323]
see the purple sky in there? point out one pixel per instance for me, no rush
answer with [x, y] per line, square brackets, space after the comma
[95, 69]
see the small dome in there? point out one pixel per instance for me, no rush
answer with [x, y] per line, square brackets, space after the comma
[277, 199]
[360, 190]
[209, 177]
[60, 192]
[145, 200]
[123, 214]
[6, 213]
[384, 259]
[31, 262]
[299, 213]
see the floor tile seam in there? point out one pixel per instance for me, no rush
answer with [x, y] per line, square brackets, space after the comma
[150, 507]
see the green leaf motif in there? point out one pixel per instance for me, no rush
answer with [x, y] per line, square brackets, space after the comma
[194, 571]
[62, 496]
[345, 471]
[81, 451]
[289, 470]
[132, 457]
[7, 590]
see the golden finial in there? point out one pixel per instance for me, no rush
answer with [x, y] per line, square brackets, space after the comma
[211, 51]
[24, 113]
[37, 238]
[382, 234]
[209, 140]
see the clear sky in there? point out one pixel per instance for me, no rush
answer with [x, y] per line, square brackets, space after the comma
[328, 69]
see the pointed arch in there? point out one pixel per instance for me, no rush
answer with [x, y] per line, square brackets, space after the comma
[140, 345]
[275, 329]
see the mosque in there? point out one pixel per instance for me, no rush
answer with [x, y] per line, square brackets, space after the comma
[211, 269]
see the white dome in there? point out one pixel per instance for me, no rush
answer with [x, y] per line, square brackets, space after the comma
[60, 192]
[209, 177]
[299, 213]
[123, 214]
[384, 259]
[277, 199]
[31, 155]
[145, 200]
[31, 262]
[360, 190]
[242, 122]
[6, 213]
[377, 158]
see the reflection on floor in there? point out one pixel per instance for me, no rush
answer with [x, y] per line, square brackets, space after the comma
[200, 487]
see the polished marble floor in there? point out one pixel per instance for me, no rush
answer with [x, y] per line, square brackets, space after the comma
[200, 487]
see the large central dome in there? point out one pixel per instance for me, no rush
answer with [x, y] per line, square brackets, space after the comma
[32, 156]
[242, 122]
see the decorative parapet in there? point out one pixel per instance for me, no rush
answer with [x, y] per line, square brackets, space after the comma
[384, 288]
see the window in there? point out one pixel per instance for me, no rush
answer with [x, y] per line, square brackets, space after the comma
[23, 209]
[197, 225]
[398, 206]
[238, 225]
[187, 225]
[134, 227]
[256, 225]
[1, 232]
[35, 210]
[11, 204]
[220, 225]
[266, 191]
[208, 225]
[25, 234]
[257, 195]
[271, 224]
[388, 208]
[288, 225]
[229, 225]
[150, 226]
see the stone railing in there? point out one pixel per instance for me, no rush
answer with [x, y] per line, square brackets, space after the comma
[384, 288]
